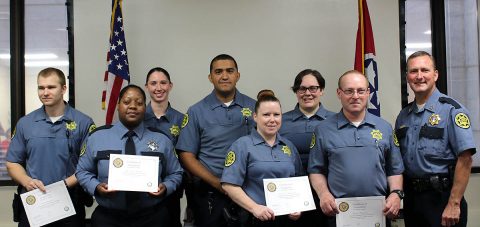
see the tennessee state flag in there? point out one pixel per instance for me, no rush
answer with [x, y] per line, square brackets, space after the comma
[365, 55]
[117, 74]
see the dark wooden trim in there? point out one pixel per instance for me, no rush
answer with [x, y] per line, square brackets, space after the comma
[17, 61]
[71, 54]
[439, 46]
[403, 63]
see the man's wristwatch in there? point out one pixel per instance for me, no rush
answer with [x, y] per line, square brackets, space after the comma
[400, 193]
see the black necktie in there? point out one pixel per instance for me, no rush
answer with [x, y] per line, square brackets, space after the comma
[130, 145]
[131, 197]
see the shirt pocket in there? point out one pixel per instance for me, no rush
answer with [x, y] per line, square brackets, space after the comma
[162, 162]
[102, 163]
[432, 143]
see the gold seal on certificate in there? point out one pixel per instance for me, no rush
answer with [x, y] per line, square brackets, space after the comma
[271, 187]
[118, 162]
[377, 224]
[136, 173]
[343, 206]
[288, 195]
[30, 200]
[46, 207]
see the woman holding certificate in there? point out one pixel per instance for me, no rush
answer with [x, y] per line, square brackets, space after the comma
[130, 168]
[252, 158]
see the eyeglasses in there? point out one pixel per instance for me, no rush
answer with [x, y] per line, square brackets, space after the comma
[351, 92]
[312, 89]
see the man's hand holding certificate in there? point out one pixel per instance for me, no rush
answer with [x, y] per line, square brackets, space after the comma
[288, 195]
[133, 173]
[44, 208]
[361, 211]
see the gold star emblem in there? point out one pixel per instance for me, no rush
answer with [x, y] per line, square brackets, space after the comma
[175, 130]
[376, 134]
[434, 119]
[286, 150]
[71, 125]
[246, 112]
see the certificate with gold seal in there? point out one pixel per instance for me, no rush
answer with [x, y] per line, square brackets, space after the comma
[133, 173]
[361, 211]
[44, 208]
[288, 195]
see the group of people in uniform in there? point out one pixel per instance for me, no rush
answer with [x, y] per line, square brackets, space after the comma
[227, 143]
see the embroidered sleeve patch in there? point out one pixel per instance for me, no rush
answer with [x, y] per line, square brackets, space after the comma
[230, 159]
[395, 139]
[91, 128]
[462, 120]
[312, 143]
[82, 150]
[185, 121]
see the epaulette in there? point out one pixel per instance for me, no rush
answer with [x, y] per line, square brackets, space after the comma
[449, 101]
[100, 128]
[153, 129]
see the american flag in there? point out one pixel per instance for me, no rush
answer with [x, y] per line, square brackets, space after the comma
[365, 55]
[117, 75]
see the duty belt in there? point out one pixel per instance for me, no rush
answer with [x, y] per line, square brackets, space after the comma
[433, 183]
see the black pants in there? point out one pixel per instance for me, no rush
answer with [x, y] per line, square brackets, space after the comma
[173, 208]
[155, 216]
[425, 208]
[332, 222]
[207, 205]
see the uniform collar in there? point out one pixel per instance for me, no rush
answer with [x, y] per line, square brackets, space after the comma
[40, 114]
[430, 105]
[213, 101]
[342, 121]
[321, 113]
[122, 130]
[258, 139]
[149, 114]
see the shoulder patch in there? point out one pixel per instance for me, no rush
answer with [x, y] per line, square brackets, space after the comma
[230, 159]
[395, 139]
[91, 128]
[82, 150]
[100, 128]
[312, 143]
[462, 120]
[185, 120]
[449, 101]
